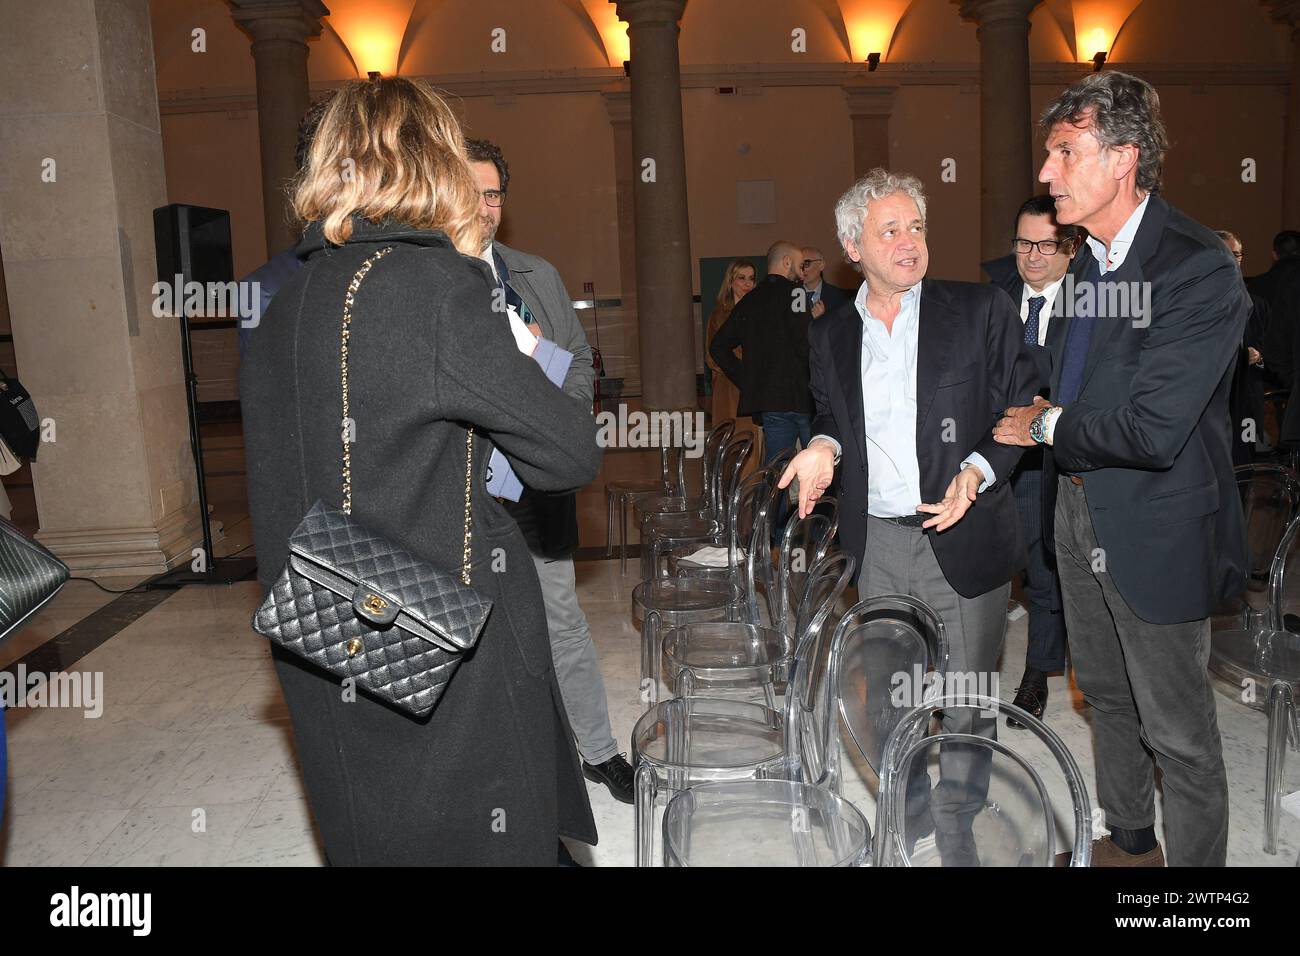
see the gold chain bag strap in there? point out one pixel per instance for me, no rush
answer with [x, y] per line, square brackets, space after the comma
[362, 607]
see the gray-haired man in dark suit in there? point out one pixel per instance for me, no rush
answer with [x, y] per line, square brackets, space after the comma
[1148, 527]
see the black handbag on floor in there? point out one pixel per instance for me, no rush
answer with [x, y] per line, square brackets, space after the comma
[361, 607]
[29, 576]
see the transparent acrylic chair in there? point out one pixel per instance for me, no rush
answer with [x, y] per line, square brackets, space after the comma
[710, 500]
[750, 656]
[685, 741]
[725, 658]
[999, 812]
[884, 653]
[672, 475]
[671, 603]
[1264, 662]
[804, 542]
[662, 532]
[1270, 498]
[763, 823]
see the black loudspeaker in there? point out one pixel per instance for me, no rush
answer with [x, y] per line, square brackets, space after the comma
[192, 244]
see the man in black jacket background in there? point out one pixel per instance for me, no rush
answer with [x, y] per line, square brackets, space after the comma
[770, 324]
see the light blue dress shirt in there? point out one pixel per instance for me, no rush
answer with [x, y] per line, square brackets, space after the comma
[889, 409]
[1112, 259]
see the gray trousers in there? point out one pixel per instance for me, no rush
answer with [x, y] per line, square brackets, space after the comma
[901, 561]
[1150, 693]
[576, 667]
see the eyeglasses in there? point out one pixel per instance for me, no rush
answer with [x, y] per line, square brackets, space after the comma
[494, 197]
[1046, 247]
[807, 262]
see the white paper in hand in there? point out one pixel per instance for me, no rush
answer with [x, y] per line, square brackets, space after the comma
[524, 338]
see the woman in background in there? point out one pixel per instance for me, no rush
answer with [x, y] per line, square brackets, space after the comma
[739, 280]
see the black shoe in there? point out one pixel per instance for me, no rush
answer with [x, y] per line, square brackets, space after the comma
[615, 773]
[564, 857]
[1031, 696]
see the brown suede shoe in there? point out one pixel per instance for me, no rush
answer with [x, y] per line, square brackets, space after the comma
[1106, 853]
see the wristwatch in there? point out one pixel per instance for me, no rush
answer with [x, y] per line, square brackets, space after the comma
[1038, 427]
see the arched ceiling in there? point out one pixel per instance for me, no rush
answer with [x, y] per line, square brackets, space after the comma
[453, 37]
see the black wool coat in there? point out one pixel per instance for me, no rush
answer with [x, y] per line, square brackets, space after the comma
[490, 777]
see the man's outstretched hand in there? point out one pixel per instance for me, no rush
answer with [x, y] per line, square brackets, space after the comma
[956, 500]
[814, 467]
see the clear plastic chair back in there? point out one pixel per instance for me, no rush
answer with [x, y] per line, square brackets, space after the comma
[958, 799]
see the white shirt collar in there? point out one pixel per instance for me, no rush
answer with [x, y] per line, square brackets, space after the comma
[1049, 292]
[486, 256]
[908, 297]
[1119, 246]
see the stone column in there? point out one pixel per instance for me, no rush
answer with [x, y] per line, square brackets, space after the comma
[1288, 11]
[618, 103]
[280, 29]
[81, 171]
[869, 110]
[666, 327]
[1006, 128]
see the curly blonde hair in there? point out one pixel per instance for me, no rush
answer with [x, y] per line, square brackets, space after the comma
[390, 148]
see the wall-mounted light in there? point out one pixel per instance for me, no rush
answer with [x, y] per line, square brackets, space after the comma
[373, 75]
[1098, 61]
[627, 67]
[873, 61]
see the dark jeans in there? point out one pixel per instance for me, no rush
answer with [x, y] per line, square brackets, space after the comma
[1149, 693]
[1042, 587]
[780, 429]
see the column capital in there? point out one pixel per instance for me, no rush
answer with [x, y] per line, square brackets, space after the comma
[985, 12]
[618, 104]
[870, 100]
[1288, 11]
[637, 13]
[280, 19]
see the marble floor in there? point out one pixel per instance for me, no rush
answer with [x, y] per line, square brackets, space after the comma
[192, 761]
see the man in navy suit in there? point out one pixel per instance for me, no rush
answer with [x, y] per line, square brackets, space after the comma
[1148, 526]
[1032, 274]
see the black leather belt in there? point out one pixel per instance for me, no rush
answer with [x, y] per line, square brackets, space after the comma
[908, 521]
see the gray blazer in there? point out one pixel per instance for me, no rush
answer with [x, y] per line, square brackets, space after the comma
[540, 286]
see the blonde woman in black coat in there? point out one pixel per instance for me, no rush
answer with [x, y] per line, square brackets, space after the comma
[489, 778]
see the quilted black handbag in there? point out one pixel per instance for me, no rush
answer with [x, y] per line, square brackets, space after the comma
[361, 607]
[29, 576]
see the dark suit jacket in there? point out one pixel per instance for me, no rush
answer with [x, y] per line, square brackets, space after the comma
[549, 521]
[970, 365]
[1002, 272]
[833, 296]
[1280, 287]
[766, 324]
[1150, 431]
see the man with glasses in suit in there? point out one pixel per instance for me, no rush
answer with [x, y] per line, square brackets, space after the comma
[1032, 274]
